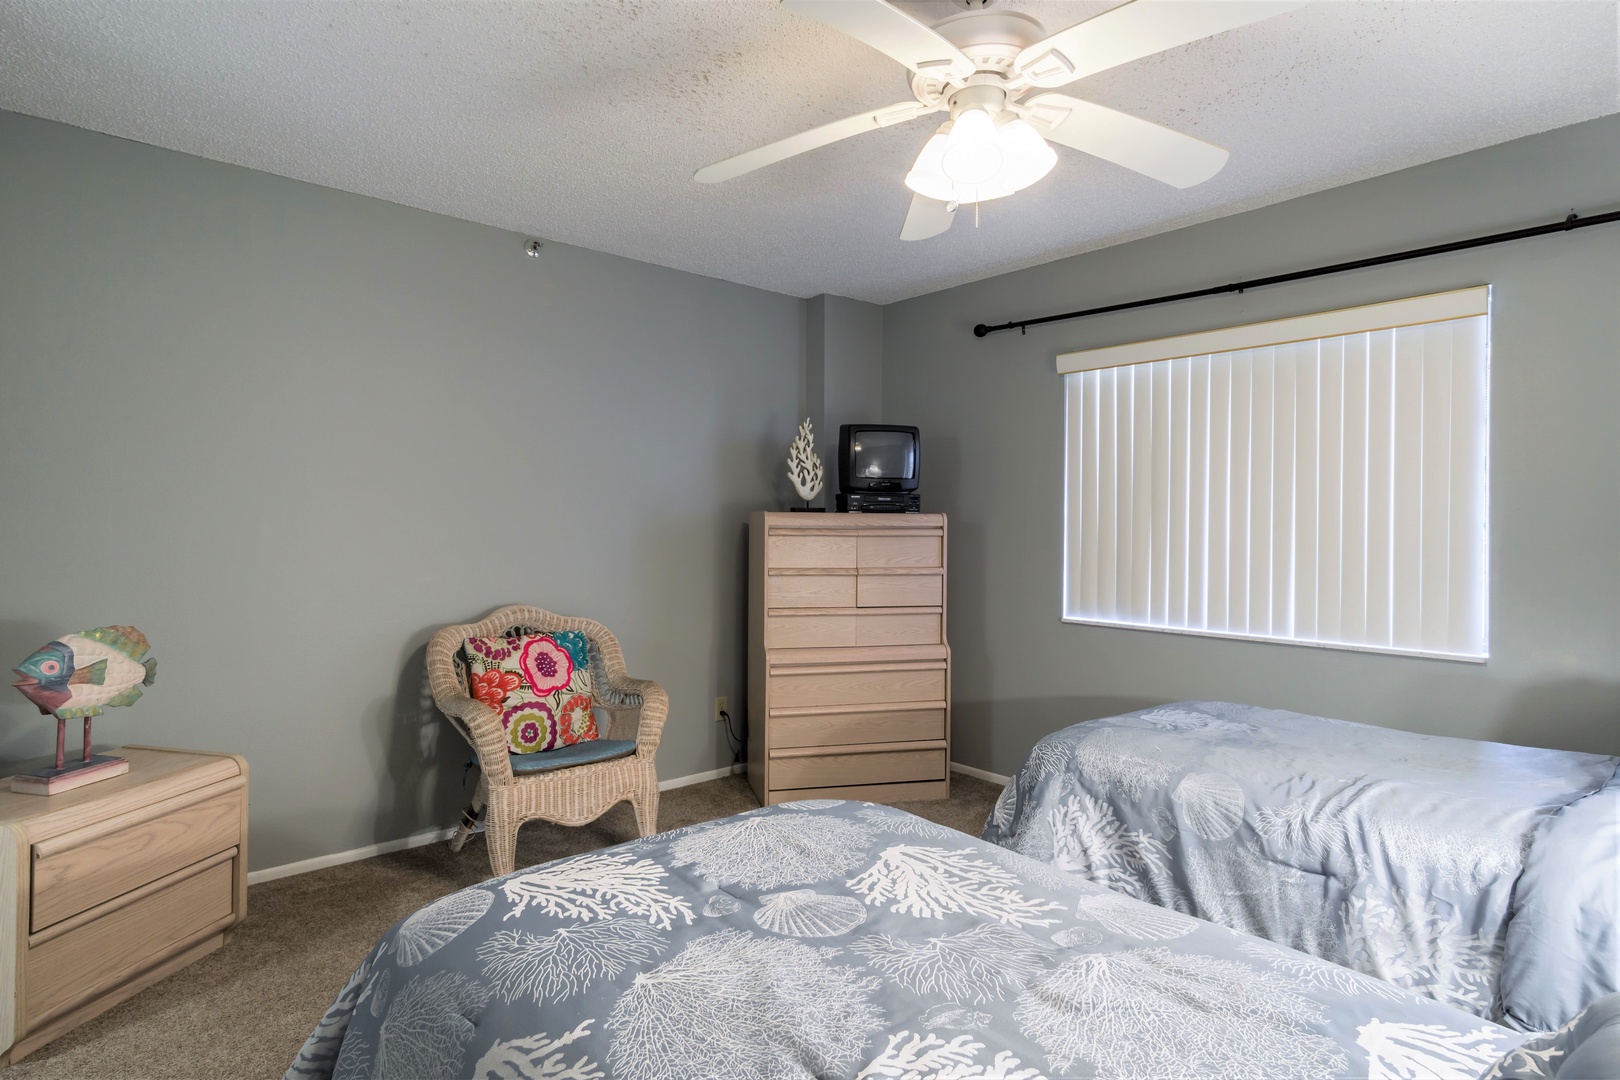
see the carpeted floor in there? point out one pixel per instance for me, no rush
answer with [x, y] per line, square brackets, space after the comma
[245, 1010]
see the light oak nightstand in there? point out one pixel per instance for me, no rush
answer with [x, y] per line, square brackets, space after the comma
[112, 886]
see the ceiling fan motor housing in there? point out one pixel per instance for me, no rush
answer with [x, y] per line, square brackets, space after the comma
[989, 96]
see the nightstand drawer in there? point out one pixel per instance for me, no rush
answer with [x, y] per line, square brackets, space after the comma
[75, 965]
[76, 871]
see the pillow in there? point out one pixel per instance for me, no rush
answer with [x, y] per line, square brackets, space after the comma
[538, 684]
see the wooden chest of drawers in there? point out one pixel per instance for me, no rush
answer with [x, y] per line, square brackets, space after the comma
[110, 887]
[849, 675]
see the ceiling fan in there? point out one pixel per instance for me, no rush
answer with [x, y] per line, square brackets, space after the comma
[994, 71]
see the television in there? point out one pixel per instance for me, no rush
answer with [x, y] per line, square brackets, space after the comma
[877, 458]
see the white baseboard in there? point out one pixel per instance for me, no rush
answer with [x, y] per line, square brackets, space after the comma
[699, 777]
[338, 858]
[982, 774]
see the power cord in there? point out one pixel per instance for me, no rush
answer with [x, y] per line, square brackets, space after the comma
[736, 740]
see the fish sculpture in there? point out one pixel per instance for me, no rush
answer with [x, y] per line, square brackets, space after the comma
[86, 674]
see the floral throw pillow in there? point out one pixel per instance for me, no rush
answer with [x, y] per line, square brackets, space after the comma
[538, 684]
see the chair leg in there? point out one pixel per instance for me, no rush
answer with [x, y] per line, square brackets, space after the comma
[645, 803]
[469, 819]
[500, 833]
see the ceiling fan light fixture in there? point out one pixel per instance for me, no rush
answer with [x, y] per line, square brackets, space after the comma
[926, 176]
[1027, 156]
[973, 153]
[1022, 157]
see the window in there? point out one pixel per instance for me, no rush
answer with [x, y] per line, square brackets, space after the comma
[1319, 480]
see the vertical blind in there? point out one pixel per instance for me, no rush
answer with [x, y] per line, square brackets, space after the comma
[1330, 491]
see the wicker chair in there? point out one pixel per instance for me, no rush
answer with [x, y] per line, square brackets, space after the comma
[568, 795]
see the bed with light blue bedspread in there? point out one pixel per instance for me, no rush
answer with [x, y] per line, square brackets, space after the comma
[842, 939]
[1476, 873]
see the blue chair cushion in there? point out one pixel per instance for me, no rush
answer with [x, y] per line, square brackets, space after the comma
[580, 753]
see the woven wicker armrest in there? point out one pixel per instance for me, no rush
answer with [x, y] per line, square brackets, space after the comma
[483, 729]
[654, 710]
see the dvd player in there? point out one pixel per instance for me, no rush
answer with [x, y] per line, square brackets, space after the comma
[870, 502]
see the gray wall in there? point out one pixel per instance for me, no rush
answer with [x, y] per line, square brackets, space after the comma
[992, 415]
[288, 432]
[842, 379]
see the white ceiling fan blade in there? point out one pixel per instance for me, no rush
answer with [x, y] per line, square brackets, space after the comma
[1134, 30]
[891, 32]
[927, 217]
[1175, 158]
[809, 140]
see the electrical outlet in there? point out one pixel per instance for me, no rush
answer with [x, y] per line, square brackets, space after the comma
[720, 707]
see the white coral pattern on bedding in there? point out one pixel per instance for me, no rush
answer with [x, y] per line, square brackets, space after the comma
[598, 885]
[926, 1056]
[908, 824]
[740, 1006]
[1152, 1014]
[980, 964]
[1425, 1051]
[931, 882]
[537, 1057]
[1422, 948]
[763, 851]
[1123, 760]
[1087, 839]
[1318, 974]
[1240, 888]
[554, 966]
[428, 1026]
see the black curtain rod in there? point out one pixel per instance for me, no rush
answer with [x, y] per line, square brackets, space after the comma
[1573, 221]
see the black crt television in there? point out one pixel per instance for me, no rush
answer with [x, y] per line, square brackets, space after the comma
[878, 457]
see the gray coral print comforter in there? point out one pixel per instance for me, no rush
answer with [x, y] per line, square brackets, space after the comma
[841, 939]
[1475, 873]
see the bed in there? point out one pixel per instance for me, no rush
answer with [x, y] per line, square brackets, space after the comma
[1479, 874]
[843, 939]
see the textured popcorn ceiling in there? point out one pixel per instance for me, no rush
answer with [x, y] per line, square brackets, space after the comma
[582, 120]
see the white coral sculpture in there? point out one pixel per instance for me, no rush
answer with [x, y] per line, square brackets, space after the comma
[804, 466]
